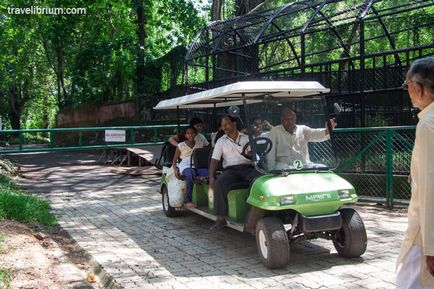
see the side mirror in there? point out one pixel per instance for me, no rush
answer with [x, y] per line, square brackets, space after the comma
[337, 108]
[234, 111]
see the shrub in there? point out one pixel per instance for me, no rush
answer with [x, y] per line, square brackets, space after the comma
[18, 206]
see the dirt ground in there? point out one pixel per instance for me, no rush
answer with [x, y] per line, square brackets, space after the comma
[41, 258]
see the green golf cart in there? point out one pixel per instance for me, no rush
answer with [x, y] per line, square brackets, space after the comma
[303, 201]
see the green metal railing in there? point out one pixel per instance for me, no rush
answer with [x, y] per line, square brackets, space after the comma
[375, 160]
[58, 139]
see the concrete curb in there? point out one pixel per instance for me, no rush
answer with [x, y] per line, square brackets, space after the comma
[104, 279]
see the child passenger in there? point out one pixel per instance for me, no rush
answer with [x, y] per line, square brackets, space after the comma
[184, 152]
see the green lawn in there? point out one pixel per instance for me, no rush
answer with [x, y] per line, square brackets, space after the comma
[15, 205]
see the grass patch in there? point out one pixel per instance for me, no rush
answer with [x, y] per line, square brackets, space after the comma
[15, 205]
[5, 278]
[2, 239]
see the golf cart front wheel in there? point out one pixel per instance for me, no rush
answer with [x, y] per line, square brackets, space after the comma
[167, 208]
[351, 240]
[272, 242]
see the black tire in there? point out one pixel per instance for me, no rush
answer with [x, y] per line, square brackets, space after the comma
[351, 240]
[272, 243]
[168, 210]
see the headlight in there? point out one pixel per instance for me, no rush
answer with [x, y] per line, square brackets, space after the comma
[344, 194]
[287, 200]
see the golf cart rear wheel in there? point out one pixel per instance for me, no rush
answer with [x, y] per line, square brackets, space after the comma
[167, 208]
[272, 242]
[351, 240]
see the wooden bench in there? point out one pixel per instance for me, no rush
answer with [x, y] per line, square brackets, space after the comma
[148, 155]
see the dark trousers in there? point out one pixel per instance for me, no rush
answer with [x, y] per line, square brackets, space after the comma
[229, 176]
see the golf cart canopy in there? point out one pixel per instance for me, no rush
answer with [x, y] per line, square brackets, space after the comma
[253, 91]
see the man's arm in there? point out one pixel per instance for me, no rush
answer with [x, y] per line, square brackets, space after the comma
[266, 124]
[212, 171]
[174, 139]
[271, 156]
[204, 140]
[332, 123]
[425, 185]
[319, 134]
[215, 158]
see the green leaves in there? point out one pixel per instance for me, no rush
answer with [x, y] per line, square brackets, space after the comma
[71, 60]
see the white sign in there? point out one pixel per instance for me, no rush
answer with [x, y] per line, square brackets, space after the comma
[115, 135]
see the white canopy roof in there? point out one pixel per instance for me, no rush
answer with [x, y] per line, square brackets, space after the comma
[254, 91]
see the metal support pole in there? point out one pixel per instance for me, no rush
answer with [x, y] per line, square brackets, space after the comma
[303, 55]
[249, 129]
[362, 87]
[178, 118]
[362, 73]
[389, 168]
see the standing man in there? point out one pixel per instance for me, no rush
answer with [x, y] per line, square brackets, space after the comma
[290, 141]
[416, 259]
[236, 167]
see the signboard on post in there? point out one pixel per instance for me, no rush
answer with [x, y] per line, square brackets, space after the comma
[117, 135]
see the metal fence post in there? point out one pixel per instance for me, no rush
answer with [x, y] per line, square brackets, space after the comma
[20, 140]
[389, 168]
[80, 138]
[132, 138]
[52, 139]
[155, 139]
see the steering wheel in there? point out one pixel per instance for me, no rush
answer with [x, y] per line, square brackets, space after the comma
[262, 145]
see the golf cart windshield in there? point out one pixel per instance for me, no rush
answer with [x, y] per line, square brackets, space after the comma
[264, 101]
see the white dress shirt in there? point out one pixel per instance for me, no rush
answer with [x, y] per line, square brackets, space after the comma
[420, 230]
[231, 150]
[290, 147]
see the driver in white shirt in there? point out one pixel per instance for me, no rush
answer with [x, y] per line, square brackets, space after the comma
[236, 168]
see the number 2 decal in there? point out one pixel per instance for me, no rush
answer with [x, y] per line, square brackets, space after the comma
[298, 165]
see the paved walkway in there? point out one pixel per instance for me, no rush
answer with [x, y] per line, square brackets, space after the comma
[118, 220]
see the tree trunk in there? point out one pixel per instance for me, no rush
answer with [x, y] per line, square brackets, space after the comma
[60, 76]
[216, 9]
[140, 69]
[14, 107]
[243, 7]
[45, 116]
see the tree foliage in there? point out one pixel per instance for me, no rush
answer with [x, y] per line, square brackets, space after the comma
[75, 60]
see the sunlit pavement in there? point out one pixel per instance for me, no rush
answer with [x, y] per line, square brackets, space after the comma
[118, 220]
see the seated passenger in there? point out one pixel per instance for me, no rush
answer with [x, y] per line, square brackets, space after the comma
[216, 135]
[290, 141]
[184, 152]
[197, 123]
[236, 167]
[258, 124]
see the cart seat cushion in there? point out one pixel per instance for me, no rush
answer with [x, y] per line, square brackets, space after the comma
[239, 185]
